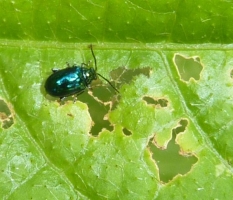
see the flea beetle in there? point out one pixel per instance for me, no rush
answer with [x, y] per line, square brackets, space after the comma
[72, 80]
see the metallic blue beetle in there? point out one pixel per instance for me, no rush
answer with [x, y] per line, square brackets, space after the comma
[72, 80]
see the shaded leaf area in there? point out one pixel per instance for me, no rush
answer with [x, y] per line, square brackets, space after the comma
[52, 142]
[131, 21]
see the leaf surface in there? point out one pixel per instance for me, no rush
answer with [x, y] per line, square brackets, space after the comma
[171, 61]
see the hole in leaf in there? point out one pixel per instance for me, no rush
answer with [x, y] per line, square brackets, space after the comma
[231, 74]
[161, 102]
[98, 110]
[6, 115]
[127, 132]
[70, 115]
[103, 98]
[188, 67]
[169, 161]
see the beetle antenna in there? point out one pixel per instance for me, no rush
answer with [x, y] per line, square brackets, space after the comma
[93, 57]
[100, 74]
[108, 82]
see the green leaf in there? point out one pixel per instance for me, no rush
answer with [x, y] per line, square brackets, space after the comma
[166, 135]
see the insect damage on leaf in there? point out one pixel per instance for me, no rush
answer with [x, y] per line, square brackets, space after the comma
[171, 157]
[6, 115]
[162, 102]
[188, 67]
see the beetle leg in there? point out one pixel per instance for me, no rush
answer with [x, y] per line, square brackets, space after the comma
[62, 98]
[84, 64]
[76, 97]
[90, 88]
[68, 65]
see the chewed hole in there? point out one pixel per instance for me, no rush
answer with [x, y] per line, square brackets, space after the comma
[169, 160]
[188, 67]
[98, 109]
[231, 74]
[181, 127]
[102, 98]
[6, 116]
[157, 102]
[127, 132]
